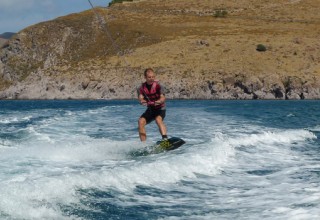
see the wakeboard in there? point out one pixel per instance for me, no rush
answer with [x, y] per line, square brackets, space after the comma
[160, 146]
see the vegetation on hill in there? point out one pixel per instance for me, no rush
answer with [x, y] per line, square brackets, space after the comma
[200, 49]
[119, 1]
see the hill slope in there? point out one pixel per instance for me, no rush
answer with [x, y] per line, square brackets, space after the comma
[7, 35]
[2, 41]
[204, 50]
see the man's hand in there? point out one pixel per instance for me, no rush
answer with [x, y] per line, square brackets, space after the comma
[150, 103]
[143, 102]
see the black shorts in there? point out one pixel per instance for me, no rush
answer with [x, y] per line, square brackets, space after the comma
[150, 114]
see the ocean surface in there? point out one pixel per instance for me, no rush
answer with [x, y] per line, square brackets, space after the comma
[241, 160]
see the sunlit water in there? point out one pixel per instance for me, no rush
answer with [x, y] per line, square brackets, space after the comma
[242, 160]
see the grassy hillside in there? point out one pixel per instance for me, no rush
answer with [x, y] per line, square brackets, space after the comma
[2, 41]
[189, 43]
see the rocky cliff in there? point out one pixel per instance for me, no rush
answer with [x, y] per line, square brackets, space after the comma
[246, 49]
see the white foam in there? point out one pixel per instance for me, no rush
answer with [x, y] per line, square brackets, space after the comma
[273, 137]
[60, 156]
[53, 173]
[5, 119]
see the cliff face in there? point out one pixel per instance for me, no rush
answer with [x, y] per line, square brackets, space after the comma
[200, 50]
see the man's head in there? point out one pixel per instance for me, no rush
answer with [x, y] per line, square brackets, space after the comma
[149, 76]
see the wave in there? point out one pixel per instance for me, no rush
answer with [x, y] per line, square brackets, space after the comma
[48, 174]
[64, 155]
[273, 137]
[14, 119]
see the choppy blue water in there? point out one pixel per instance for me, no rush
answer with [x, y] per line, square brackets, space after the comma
[242, 160]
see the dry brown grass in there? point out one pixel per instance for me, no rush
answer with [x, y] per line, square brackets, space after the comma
[289, 30]
[182, 39]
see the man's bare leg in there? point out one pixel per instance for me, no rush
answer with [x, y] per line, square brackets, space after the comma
[161, 125]
[142, 131]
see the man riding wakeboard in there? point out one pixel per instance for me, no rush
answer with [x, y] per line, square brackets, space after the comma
[151, 94]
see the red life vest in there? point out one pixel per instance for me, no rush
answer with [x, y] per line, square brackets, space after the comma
[153, 94]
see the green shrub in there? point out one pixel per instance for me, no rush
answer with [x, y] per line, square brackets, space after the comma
[119, 1]
[220, 13]
[261, 48]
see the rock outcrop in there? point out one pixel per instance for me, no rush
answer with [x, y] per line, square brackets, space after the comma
[206, 50]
